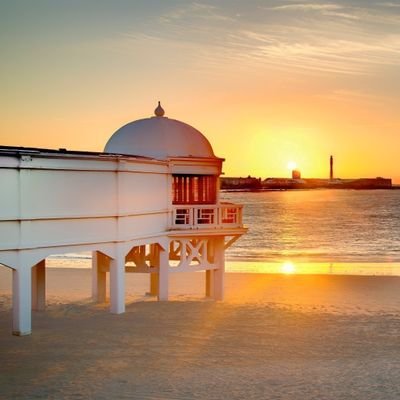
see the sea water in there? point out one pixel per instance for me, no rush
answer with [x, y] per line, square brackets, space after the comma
[309, 231]
[319, 231]
[319, 225]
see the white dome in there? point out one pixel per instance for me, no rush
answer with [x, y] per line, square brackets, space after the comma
[159, 137]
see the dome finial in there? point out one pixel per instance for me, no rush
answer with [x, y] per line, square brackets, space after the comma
[159, 111]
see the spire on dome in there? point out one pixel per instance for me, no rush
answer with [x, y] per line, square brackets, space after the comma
[159, 111]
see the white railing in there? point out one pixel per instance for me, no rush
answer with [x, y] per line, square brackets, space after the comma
[224, 215]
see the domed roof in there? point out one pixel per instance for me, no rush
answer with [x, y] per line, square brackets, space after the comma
[159, 137]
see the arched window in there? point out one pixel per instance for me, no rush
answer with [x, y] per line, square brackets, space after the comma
[194, 189]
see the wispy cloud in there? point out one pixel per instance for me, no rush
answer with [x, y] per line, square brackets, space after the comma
[307, 6]
[344, 38]
[341, 15]
[195, 10]
[388, 4]
[332, 10]
[330, 54]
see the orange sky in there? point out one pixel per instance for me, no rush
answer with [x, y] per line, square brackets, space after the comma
[267, 82]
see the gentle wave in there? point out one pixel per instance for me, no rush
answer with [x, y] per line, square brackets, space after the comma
[319, 226]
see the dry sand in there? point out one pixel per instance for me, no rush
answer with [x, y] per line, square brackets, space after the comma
[274, 337]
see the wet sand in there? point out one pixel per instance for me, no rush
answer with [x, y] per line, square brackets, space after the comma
[274, 337]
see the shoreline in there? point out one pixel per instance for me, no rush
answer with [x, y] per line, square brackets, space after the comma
[290, 266]
[342, 293]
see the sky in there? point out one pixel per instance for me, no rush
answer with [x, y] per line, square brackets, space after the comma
[268, 82]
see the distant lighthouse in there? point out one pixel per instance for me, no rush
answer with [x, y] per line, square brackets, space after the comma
[331, 168]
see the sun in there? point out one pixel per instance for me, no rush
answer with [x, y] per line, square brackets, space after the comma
[292, 165]
[288, 268]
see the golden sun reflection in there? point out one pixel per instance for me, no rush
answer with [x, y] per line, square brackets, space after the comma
[288, 268]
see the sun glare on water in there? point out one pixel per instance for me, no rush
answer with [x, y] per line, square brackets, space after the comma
[288, 268]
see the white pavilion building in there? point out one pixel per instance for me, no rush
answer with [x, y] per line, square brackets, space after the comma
[149, 203]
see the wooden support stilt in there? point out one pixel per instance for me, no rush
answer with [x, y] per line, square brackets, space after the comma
[209, 283]
[218, 280]
[163, 276]
[100, 265]
[39, 286]
[154, 283]
[155, 262]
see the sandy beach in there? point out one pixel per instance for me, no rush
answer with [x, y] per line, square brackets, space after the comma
[274, 337]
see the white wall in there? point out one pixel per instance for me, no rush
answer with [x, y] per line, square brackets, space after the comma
[59, 200]
[54, 193]
[9, 194]
[141, 192]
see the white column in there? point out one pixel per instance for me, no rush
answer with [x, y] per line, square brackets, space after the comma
[163, 275]
[100, 264]
[22, 320]
[218, 283]
[39, 286]
[117, 284]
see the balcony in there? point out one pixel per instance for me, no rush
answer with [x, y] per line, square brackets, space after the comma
[224, 215]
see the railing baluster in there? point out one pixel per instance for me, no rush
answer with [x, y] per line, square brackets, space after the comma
[190, 217]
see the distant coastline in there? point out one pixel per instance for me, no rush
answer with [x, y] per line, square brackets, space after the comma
[250, 183]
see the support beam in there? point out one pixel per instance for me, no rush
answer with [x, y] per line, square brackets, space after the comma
[209, 283]
[117, 284]
[163, 276]
[22, 297]
[154, 283]
[100, 266]
[210, 273]
[219, 254]
[39, 286]
[155, 262]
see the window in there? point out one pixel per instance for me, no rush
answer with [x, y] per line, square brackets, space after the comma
[194, 189]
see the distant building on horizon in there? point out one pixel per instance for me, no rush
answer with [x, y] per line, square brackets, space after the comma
[316, 183]
[240, 183]
[296, 174]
